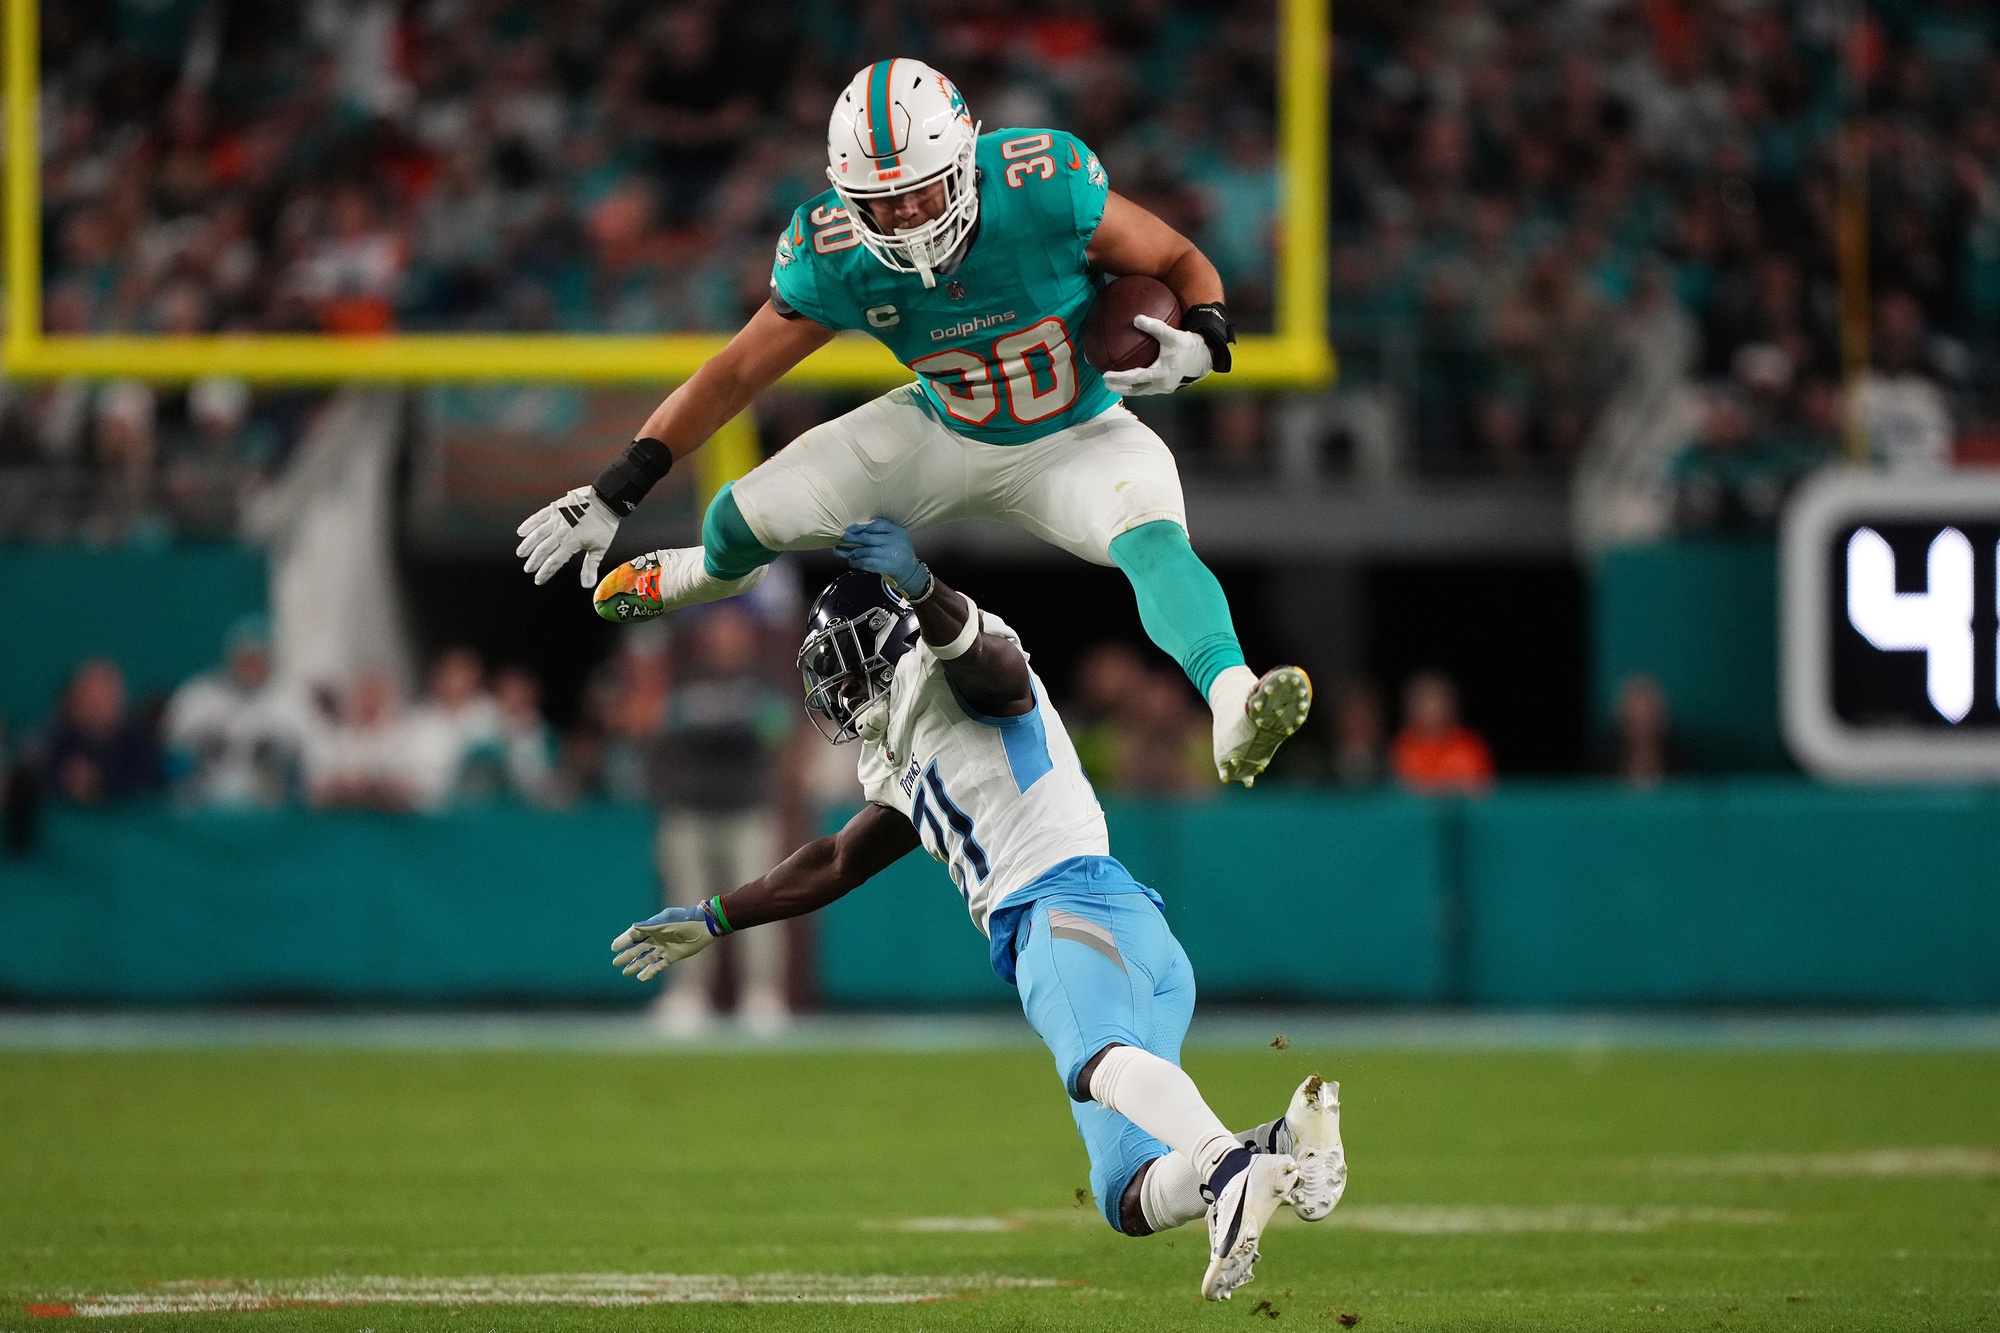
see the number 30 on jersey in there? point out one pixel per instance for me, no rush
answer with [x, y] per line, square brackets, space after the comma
[1036, 365]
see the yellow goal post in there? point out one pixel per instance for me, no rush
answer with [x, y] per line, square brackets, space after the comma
[1296, 355]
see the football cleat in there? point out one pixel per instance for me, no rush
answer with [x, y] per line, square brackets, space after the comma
[663, 581]
[1312, 1124]
[1246, 738]
[1237, 1216]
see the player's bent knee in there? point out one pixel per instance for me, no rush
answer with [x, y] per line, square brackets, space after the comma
[729, 548]
[1079, 1088]
[1149, 543]
[1131, 1203]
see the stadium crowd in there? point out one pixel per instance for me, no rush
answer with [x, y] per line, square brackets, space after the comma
[1523, 195]
[702, 723]
[1520, 189]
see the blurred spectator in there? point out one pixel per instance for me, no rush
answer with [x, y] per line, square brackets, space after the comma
[1136, 730]
[1163, 746]
[1357, 735]
[1759, 438]
[1644, 753]
[213, 460]
[125, 449]
[1902, 410]
[702, 105]
[605, 754]
[236, 734]
[455, 724]
[1110, 675]
[712, 767]
[361, 757]
[527, 743]
[1434, 752]
[97, 753]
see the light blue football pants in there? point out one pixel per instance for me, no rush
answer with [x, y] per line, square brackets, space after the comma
[1097, 970]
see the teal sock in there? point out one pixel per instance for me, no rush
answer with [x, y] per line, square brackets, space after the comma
[729, 549]
[1180, 603]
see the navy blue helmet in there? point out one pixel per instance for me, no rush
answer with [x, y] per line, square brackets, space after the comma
[856, 632]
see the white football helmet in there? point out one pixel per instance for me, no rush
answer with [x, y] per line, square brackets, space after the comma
[901, 125]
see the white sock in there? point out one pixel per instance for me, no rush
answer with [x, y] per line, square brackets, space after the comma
[1161, 1099]
[1228, 692]
[1170, 1193]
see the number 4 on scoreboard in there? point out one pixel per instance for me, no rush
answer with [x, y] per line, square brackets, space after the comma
[1937, 621]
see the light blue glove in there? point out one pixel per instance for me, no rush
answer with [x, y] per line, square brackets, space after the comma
[882, 547]
[658, 942]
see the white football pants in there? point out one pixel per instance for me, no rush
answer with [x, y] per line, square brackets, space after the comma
[1077, 489]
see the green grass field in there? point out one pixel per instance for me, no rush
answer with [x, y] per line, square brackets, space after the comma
[1655, 1190]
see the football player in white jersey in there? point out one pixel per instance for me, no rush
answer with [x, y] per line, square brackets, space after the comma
[974, 258]
[962, 755]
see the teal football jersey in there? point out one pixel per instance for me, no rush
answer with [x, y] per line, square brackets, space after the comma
[995, 343]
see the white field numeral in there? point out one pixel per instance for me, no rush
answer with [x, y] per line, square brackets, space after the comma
[1937, 621]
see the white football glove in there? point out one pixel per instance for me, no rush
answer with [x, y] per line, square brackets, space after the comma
[657, 943]
[1183, 359]
[580, 521]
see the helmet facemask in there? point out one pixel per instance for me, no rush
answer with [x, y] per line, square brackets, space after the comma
[933, 245]
[847, 672]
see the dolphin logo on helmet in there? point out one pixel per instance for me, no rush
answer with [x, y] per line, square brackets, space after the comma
[898, 126]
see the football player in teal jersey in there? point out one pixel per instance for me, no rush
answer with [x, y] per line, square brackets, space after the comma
[974, 258]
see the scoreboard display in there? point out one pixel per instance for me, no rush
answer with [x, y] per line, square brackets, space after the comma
[1891, 595]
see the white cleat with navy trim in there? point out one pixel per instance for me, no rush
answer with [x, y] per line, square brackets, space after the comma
[1313, 1120]
[1309, 1134]
[1254, 716]
[1251, 1188]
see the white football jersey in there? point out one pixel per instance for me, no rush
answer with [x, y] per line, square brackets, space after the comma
[999, 800]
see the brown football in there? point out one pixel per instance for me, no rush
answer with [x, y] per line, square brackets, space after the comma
[1109, 340]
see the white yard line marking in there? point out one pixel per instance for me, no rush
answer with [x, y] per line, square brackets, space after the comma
[1471, 1219]
[1879, 1162]
[606, 1289]
[1405, 1219]
[1017, 1219]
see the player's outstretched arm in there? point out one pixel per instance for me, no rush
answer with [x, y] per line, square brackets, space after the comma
[989, 672]
[807, 880]
[761, 352]
[1130, 240]
[587, 518]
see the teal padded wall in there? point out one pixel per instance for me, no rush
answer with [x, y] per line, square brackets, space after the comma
[160, 614]
[1742, 892]
[1354, 884]
[1700, 617]
[1746, 891]
[163, 906]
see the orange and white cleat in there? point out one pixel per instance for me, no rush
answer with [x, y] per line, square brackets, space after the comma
[663, 581]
